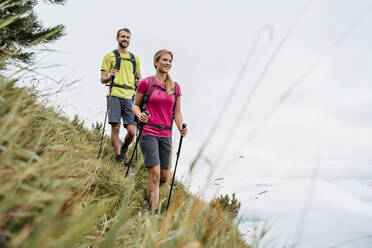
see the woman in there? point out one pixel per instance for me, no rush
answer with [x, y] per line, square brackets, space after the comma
[161, 97]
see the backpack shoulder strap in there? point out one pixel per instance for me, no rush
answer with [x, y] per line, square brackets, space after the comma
[151, 83]
[117, 64]
[133, 60]
[117, 59]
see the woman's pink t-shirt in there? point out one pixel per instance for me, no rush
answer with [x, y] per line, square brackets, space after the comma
[159, 105]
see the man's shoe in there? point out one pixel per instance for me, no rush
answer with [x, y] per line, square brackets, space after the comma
[119, 158]
[123, 150]
[123, 153]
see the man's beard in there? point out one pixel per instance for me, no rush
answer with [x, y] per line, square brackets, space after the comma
[123, 46]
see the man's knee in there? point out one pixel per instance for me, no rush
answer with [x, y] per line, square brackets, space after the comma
[164, 177]
[131, 129]
[162, 181]
[115, 128]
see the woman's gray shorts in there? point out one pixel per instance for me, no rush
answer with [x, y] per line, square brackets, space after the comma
[156, 150]
[120, 108]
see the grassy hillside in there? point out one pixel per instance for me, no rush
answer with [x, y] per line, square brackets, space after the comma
[54, 193]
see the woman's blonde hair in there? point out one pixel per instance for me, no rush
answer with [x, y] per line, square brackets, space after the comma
[169, 84]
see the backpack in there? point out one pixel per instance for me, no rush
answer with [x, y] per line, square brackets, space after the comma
[117, 67]
[152, 84]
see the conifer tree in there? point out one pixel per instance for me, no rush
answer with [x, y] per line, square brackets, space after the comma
[21, 30]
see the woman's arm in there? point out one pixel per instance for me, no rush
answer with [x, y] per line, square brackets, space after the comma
[178, 119]
[142, 117]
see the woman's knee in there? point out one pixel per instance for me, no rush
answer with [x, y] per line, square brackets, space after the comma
[154, 177]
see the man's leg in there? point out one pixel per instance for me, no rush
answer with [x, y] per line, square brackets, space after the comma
[129, 124]
[164, 176]
[114, 115]
[115, 141]
[129, 137]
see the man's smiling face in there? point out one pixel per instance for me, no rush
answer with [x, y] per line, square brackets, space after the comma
[123, 39]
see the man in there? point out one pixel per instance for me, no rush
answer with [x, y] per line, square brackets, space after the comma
[124, 83]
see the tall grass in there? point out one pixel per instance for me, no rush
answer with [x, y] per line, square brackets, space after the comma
[54, 193]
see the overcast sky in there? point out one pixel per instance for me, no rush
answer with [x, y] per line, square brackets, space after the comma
[312, 149]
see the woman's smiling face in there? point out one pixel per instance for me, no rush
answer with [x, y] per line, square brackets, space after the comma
[164, 63]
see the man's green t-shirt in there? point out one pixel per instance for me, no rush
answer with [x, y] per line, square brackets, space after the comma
[124, 76]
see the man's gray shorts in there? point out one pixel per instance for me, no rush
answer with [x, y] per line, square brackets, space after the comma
[120, 108]
[156, 150]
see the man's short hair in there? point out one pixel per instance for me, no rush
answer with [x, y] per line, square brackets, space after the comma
[122, 29]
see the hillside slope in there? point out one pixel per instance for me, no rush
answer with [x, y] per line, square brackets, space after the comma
[55, 193]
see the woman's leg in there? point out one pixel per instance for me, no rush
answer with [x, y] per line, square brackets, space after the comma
[150, 151]
[165, 156]
[153, 186]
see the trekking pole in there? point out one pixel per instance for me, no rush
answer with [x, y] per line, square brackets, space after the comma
[140, 126]
[117, 67]
[136, 155]
[175, 168]
[104, 124]
[137, 137]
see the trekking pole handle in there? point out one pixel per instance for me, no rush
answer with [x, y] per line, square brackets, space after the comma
[142, 124]
[184, 125]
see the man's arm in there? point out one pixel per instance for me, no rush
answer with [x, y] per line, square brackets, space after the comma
[106, 76]
[138, 78]
[107, 70]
